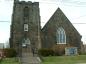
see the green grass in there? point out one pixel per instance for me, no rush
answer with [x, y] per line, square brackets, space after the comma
[64, 59]
[52, 60]
[9, 61]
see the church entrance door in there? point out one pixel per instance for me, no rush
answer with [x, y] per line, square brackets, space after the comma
[26, 47]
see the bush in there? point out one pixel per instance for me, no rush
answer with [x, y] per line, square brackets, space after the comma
[10, 52]
[59, 50]
[0, 59]
[45, 52]
[51, 52]
[82, 53]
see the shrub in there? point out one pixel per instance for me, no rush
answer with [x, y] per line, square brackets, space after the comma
[10, 52]
[0, 59]
[45, 52]
[59, 50]
[82, 53]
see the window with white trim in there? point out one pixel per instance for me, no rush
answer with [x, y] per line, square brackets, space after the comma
[61, 36]
[25, 27]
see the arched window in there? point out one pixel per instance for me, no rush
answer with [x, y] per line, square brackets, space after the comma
[61, 36]
[26, 10]
[25, 42]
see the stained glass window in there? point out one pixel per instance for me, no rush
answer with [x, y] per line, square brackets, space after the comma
[61, 36]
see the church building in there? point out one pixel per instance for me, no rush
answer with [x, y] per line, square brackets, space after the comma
[59, 33]
[26, 33]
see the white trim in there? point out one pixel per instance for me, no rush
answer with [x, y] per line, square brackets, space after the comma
[61, 36]
[60, 43]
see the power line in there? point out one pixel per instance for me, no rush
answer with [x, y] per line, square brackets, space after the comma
[4, 21]
[78, 2]
[78, 23]
[72, 23]
[69, 3]
[72, 3]
[45, 22]
[57, 4]
[79, 17]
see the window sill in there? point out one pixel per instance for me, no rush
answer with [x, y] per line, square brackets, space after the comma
[60, 43]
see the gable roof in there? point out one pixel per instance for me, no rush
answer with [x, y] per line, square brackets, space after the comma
[57, 12]
[59, 15]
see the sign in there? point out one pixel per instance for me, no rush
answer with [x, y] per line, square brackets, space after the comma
[71, 51]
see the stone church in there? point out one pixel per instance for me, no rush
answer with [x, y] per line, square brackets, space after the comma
[26, 33]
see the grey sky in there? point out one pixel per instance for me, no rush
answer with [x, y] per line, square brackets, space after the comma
[75, 10]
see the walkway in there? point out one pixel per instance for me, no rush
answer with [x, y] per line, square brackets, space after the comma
[28, 58]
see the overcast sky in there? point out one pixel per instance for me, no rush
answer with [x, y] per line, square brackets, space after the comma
[75, 10]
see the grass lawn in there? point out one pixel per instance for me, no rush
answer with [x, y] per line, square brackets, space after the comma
[52, 60]
[9, 61]
[64, 59]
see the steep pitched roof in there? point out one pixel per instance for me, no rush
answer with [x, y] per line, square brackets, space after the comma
[58, 12]
[59, 15]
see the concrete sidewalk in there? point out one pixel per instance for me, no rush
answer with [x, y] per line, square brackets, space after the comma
[30, 59]
[81, 63]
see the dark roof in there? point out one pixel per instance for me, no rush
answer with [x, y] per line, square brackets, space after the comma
[59, 13]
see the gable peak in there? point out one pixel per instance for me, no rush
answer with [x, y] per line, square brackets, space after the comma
[59, 9]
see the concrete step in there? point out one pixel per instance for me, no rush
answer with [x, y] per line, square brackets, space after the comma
[27, 55]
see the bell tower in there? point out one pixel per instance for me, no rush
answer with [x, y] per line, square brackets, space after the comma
[25, 26]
